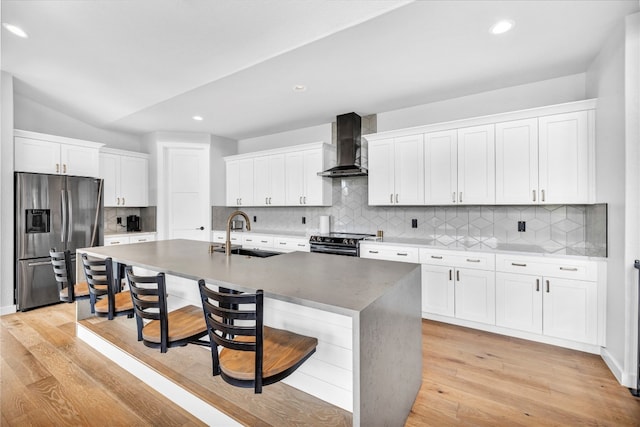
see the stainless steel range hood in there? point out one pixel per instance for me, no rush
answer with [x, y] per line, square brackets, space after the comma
[349, 148]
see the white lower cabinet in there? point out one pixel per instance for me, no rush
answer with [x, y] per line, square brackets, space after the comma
[458, 284]
[389, 252]
[541, 302]
[268, 242]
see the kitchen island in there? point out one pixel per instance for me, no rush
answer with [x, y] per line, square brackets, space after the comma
[366, 315]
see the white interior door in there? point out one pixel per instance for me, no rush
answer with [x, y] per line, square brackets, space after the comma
[187, 193]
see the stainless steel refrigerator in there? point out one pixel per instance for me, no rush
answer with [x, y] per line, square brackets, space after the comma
[51, 211]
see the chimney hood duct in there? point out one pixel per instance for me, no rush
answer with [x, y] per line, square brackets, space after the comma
[349, 147]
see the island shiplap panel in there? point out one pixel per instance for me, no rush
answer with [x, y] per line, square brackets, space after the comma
[328, 374]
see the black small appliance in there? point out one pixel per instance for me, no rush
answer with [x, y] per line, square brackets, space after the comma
[133, 223]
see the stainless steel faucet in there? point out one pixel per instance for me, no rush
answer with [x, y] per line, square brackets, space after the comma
[227, 245]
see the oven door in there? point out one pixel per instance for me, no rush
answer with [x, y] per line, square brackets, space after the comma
[334, 249]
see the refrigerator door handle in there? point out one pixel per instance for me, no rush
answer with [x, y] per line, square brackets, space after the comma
[63, 203]
[70, 210]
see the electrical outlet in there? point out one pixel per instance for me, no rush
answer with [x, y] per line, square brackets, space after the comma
[255, 218]
[522, 226]
[304, 219]
[414, 223]
[119, 220]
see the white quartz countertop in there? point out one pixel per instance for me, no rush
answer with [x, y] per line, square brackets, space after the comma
[339, 284]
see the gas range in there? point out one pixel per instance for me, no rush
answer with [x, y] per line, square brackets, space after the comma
[338, 243]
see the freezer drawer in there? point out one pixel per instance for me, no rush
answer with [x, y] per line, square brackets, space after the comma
[36, 284]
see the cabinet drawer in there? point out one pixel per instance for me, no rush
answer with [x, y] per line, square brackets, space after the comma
[142, 238]
[257, 241]
[549, 267]
[121, 240]
[389, 252]
[220, 237]
[459, 259]
[288, 244]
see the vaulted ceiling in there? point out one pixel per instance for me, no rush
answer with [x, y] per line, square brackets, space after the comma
[148, 65]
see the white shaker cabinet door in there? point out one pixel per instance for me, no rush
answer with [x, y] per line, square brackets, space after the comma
[294, 173]
[438, 290]
[110, 173]
[313, 191]
[517, 162]
[519, 302]
[476, 165]
[381, 172]
[475, 295]
[564, 158]
[134, 181]
[570, 309]
[261, 180]
[79, 161]
[441, 167]
[409, 170]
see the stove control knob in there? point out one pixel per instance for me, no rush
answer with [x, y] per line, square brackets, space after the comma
[351, 242]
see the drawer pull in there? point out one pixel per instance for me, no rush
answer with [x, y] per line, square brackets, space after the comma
[283, 243]
[401, 254]
[436, 257]
[472, 260]
[142, 240]
[518, 265]
[248, 240]
[264, 241]
[373, 252]
[568, 268]
[302, 245]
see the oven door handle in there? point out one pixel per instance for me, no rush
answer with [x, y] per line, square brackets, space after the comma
[338, 250]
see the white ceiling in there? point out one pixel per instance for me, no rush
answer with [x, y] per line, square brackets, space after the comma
[147, 65]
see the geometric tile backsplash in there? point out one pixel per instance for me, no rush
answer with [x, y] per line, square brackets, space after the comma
[560, 229]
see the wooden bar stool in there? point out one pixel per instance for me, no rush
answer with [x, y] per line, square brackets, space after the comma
[253, 355]
[165, 329]
[104, 298]
[68, 289]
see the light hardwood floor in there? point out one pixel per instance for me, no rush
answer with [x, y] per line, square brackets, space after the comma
[49, 377]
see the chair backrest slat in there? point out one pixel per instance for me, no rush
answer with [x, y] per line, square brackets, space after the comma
[61, 262]
[148, 294]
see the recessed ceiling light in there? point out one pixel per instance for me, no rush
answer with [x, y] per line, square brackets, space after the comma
[197, 118]
[501, 27]
[299, 88]
[14, 29]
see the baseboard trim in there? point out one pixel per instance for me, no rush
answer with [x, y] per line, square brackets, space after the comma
[7, 309]
[178, 395]
[627, 379]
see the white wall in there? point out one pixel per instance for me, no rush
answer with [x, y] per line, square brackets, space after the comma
[320, 133]
[611, 78]
[6, 194]
[33, 116]
[547, 92]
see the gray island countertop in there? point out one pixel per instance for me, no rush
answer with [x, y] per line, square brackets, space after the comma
[344, 285]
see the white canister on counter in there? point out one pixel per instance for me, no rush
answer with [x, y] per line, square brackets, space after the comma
[325, 227]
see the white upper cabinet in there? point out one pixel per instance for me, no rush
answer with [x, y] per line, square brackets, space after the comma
[441, 167]
[396, 171]
[544, 160]
[476, 165]
[126, 178]
[517, 162]
[240, 182]
[41, 153]
[543, 155]
[269, 180]
[281, 177]
[564, 158]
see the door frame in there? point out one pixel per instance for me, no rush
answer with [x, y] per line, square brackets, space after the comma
[164, 176]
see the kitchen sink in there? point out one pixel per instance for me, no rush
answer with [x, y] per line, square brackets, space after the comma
[258, 253]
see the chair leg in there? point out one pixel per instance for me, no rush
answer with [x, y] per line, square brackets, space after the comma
[140, 326]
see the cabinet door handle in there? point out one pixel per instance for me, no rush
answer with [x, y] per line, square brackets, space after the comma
[142, 240]
[57, 167]
[518, 264]
[373, 252]
[64, 168]
[391, 198]
[542, 191]
[457, 275]
[266, 200]
[436, 257]
[300, 201]
[568, 268]
[460, 195]
[453, 197]
[450, 275]
[472, 260]
[401, 253]
[304, 199]
[537, 285]
[534, 195]
[396, 197]
[118, 201]
[547, 286]
[123, 201]
[269, 200]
